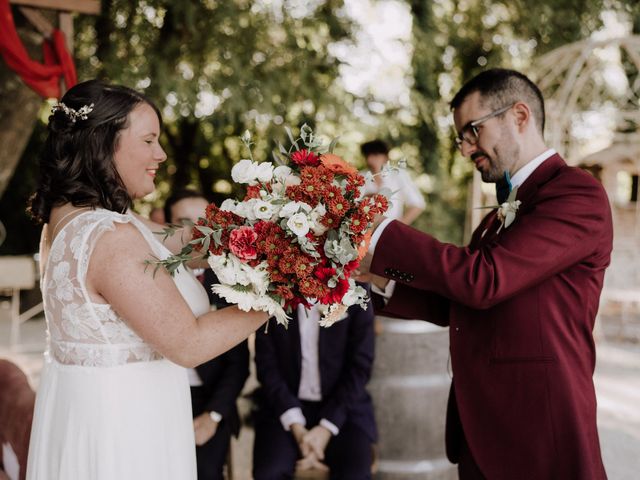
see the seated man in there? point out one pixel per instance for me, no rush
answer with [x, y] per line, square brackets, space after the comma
[313, 407]
[216, 384]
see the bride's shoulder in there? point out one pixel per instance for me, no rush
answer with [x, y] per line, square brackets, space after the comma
[118, 232]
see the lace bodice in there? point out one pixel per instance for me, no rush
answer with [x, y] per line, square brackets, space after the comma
[82, 332]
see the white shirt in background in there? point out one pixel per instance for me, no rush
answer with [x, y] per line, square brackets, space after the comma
[405, 192]
[310, 388]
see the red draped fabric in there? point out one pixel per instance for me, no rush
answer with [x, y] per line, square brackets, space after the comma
[43, 78]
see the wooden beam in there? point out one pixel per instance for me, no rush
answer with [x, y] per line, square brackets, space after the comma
[65, 23]
[38, 21]
[91, 7]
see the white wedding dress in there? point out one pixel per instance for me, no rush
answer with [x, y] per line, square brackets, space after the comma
[108, 406]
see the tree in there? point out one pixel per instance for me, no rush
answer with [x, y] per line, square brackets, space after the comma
[453, 42]
[215, 69]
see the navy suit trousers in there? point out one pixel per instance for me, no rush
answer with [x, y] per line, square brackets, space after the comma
[348, 455]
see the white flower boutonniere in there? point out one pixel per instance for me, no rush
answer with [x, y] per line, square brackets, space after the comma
[507, 211]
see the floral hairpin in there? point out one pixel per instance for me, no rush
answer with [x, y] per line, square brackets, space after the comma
[82, 113]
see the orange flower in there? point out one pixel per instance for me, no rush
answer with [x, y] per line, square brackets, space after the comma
[364, 245]
[337, 165]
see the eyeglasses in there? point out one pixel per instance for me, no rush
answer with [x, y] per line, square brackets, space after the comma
[470, 131]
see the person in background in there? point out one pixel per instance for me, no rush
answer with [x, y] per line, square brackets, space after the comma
[313, 407]
[216, 384]
[406, 202]
[157, 215]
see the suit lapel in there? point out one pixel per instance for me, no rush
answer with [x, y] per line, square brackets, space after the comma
[488, 229]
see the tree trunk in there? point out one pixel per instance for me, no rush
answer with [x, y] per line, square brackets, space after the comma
[18, 115]
[19, 106]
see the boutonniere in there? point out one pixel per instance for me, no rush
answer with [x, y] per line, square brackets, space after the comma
[507, 210]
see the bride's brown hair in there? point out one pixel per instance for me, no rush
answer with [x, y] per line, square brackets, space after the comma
[76, 163]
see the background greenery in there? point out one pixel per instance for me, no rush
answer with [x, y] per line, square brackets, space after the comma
[218, 68]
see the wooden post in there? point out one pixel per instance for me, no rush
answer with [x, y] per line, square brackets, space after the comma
[65, 23]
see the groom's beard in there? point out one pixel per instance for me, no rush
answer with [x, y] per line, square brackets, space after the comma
[497, 162]
[490, 170]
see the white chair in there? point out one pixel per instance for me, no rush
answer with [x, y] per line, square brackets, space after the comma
[18, 273]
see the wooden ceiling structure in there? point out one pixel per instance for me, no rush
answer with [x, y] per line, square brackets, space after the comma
[31, 9]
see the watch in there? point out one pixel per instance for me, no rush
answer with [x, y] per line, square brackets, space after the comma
[215, 416]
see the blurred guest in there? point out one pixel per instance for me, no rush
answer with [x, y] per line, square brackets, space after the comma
[406, 202]
[313, 409]
[216, 384]
[157, 215]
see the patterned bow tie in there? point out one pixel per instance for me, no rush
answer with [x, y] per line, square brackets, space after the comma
[503, 188]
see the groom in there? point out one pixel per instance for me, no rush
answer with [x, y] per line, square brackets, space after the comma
[520, 301]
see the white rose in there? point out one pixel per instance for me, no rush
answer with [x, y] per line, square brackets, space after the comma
[263, 210]
[229, 205]
[245, 171]
[281, 173]
[294, 207]
[316, 215]
[241, 209]
[292, 180]
[264, 172]
[298, 224]
[247, 210]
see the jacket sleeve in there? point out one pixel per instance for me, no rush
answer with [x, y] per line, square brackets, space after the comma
[231, 381]
[412, 304]
[570, 222]
[275, 391]
[357, 368]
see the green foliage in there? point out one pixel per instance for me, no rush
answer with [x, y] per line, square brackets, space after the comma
[216, 69]
[453, 41]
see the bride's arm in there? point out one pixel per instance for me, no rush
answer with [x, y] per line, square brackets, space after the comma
[175, 242]
[154, 308]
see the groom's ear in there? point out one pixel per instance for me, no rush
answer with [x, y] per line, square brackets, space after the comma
[522, 116]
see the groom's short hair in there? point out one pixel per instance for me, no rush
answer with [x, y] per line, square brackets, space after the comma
[500, 87]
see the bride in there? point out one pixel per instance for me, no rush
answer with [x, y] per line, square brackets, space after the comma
[113, 400]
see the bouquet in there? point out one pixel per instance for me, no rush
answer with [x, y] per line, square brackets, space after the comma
[296, 236]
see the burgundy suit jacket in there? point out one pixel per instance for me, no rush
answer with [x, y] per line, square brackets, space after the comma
[521, 305]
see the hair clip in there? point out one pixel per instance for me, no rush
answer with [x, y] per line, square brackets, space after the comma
[82, 113]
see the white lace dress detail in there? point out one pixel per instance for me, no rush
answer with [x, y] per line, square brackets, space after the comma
[82, 332]
[108, 406]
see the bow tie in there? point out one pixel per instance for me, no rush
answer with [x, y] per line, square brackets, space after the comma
[503, 188]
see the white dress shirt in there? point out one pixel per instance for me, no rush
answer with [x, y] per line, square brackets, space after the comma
[310, 388]
[518, 179]
[405, 192]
